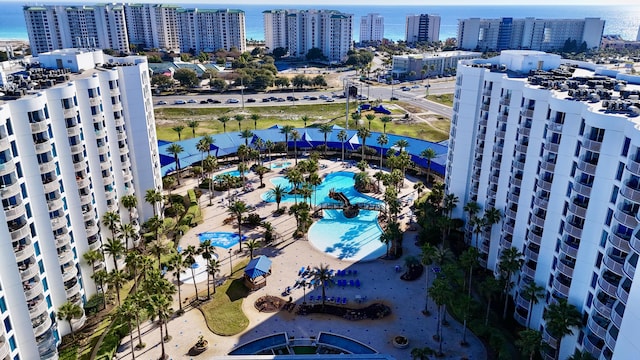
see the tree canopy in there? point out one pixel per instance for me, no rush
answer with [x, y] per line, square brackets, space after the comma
[186, 77]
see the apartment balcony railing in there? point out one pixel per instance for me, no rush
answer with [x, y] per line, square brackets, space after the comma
[560, 287]
[628, 220]
[591, 343]
[528, 113]
[630, 192]
[534, 238]
[566, 269]
[569, 248]
[528, 270]
[555, 127]
[614, 264]
[572, 230]
[604, 308]
[549, 146]
[629, 267]
[592, 145]
[610, 340]
[633, 166]
[578, 208]
[620, 241]
[586, 167]
[609, 286]
[598, 325]
[582, 189]
[623, 293]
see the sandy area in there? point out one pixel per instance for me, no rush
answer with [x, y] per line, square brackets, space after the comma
[380, 283]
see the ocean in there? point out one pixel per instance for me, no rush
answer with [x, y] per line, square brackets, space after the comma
[620, 20]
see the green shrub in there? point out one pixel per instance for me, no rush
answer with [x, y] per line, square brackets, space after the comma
[192, 197]
[94, 304]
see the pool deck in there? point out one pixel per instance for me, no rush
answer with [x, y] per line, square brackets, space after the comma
[379, 283]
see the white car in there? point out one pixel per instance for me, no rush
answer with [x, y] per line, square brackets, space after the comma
[179, 102]
[191, 101]
[232, 101]
[162, 102]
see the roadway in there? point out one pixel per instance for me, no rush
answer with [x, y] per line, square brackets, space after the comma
[415, 95]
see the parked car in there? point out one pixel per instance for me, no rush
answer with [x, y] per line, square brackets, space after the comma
[330, 100]
[179, 102]
[191, 101]
[313, 98]
[251, 100]
[265, 100]
[161, 102]
[232, 101]
[204, 102]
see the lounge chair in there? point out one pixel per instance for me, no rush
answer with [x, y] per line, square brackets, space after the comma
[355, 273]
[351, 283]
[358, 283]
[344, 301]
[302, 269]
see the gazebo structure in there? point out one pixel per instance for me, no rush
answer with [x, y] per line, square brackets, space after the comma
[256, 272]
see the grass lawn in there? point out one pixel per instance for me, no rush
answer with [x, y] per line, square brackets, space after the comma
[444, 99]
[167, 118]
[223, 313]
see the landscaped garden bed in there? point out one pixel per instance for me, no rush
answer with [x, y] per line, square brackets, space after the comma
[373, 311]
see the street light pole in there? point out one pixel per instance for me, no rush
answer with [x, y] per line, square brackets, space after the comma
[230, 263]
[242, 91]
[345, 93]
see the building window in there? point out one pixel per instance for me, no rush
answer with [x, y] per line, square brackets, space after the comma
[620, 171]
[609, 216]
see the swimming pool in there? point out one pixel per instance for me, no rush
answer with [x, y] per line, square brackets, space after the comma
[279, 164]
[235, 173]
[356, 239]
[220, 239]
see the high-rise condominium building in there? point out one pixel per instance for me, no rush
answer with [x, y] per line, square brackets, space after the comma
[555, 146]
[529, 33]
[422, 28]
[57, 27]
[148, 26]
[200, 30]
[71, 148]
[301, 30]
[371, 28]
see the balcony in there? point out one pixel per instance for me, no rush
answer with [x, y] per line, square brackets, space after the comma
[39, 127]
[524, 131]
[59, 223]
[609, 285]
[548, 166]
[47, 167]
[37, 306]
[592, 145]
[610, 340]
[92, 230]
[485, 107]
[124, 150]
[555, 127]
[32, 289]
[80, 165]
[560, 287]
[570, 248]
[42, 327]
[484, 246]
[528, 113]
[603, 306]
[549, 146]
[9, 190]
[566, 268]
[623, 291]
[578, 208]
[522, 302]
[505, 100]
[572, 230]
[5, 350]
[505, 241]
[7, 168]
[598, 325]
[103, 149]
[531, 254]
[500, 134]
[77, 149]
[544, 184]
[626, 219]
[630, 191]
[513, 197]
[55, 204]
[529, 270]
[586, 167]
[478, 163]
[73, 131]
[614, 264]
[13, 212]
[510, 213]
[43, 147]
[630, 263]
[538, 219]
[105, 165]
[582, 189]
[620, 241]
[633, 166]
[73, 290]
[534, 237]
[522, 148]
[541, 202]
[69, 272]
[19, 232]
[546, 337]
[593, 344]
[607, 354]
[28, 271]
[507, 228]
[23, 252]
[65, 256]
[518, 164]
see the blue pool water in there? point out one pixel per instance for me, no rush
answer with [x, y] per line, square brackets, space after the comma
[220, 239]
[279, 164]
[356, 239]
[235, 173]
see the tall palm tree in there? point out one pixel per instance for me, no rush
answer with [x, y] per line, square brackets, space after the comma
[128, 231]
[490, 286]
[133, 261]
[137, 301]
[116, 249]
[370, 118]
[224, 120]
[295, 177]
[255, 118]
[153, 197]
[253, 245]
[209, 165]
[534, 294]
[477, 223]
[213, 268]
[129, 202]
[440, 293]
[239, 118]
[208, 252]
[175, 150]
[385, 120]
[69, 311]
[560, 319]
[246, 134]
[295, 136]
[314, 180]
[325, 129]
[382, 141]
[363, 134]
[190, 254]
[510, 262]
[92, 257]
[117, 278]
[286, 130]
[342, 136]
[159, 304]
[468, 260]
[193, 124]
[202, 146]
[530, 342]
[305, 119]
[277, 193]
[491, 217]
[237, 209]
[402, 145]
[322, 276]
[177, 264]
[429, 154]
[427, 257]
[178, 129]
[127, 312]
[269, 146]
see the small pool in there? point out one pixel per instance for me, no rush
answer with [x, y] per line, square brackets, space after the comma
[279, 164]
[356, 239]
[235, 173]
[221, 239]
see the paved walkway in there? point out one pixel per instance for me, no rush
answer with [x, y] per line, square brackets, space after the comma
[379, 283]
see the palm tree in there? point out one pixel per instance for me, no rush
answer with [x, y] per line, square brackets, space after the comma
[363, 134]
[255, 118]
[325, 129]
[224, 120]
[560, 319]
[175, 150]
[385, 120]
[117, 278]
[382, 141]
[190, 254]
[178, 129]
[304, 119]
[427, 258]
[209, 165]
[386, 237]
[208, 252]
[510, 261]
[153, 197]
[213, 268]
[322, 276]
[207, 140]
[419, 187]
[239, 118]
[129, 202]
[128, 231]
[269, 146]
[440, 293]
[133, 261]
[477, 223]
[246, 134]
[277, 193]
[490, 286]
[92, 257]
[237, 209]
[136, 301]
[116, 249]
[193, 124]
[127, 312]
[177, 264]
[370, 118]
[160, 305]
[295, 136]
[342, 136]
[429, 154]
[401, 144]
[253, 245]
[314, 180]
[468, 260]
[286, 130]
[530, 342]
[69, 311]
[534, 294]
[491, 217]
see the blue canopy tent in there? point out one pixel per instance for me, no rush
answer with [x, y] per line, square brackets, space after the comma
[256, 272]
